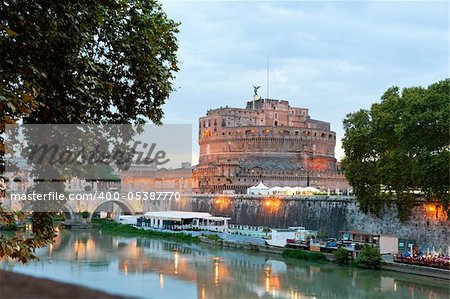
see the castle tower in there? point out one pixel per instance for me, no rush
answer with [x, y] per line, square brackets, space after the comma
[267, 141]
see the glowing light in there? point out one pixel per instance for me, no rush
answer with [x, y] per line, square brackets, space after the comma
[267, 284]
[222, 202]
[272, 204]
[161, 280]
[216, 272]
[177, 257]
[203, 292]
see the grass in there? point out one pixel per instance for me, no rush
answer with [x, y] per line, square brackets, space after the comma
[213, 237]
[110, 226]
[304, 255]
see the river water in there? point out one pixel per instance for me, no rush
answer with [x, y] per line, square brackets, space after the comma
[156, 268]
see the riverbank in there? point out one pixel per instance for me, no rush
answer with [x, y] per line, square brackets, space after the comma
[126, 230]
[389, 266]
[110, 226]
[416, 270]
[18, 286]
[262, 248]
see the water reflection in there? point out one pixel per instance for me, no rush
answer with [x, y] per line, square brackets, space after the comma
[146, 268]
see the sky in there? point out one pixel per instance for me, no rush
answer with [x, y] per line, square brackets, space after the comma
[331, 57]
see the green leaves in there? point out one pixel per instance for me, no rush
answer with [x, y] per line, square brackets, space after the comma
[369, 257]
[81, 62]
[399, 146]
[89, 62]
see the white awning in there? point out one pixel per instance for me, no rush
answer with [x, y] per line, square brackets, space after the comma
[176, 215]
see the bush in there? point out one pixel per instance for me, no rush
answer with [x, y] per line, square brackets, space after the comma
[213, 237]
[85, 214]
[304, 255]
[110, 226]
[369, 258]
[342, 257]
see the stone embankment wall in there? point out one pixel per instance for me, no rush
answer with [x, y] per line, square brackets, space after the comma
[329, 215]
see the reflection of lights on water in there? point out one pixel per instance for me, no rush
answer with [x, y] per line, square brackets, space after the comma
[203, 292]
[271, 283]
[125, 268]
[216, 271]
[267, 284]
[267, 279]
[395, 286]
[161, 280]
[177, 257]
[50, 249]
[295, 294]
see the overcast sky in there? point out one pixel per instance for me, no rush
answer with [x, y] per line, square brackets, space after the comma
[331, 57]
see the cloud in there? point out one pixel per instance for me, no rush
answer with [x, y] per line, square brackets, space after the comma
[331, 57]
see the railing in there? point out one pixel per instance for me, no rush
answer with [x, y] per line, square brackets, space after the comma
[434, 262]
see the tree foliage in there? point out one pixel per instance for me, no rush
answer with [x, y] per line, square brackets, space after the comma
[399, 146]
[89, 62]
[342, 256]
[369, 257]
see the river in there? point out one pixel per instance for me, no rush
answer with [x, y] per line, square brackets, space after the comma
[156, 268]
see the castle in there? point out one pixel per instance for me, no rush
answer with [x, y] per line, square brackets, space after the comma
[267, 141]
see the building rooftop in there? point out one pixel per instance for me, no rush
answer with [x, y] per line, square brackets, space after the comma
[179, 215]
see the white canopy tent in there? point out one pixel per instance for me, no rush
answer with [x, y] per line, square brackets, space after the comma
[293, 190]
[311, 190]
[259, 189]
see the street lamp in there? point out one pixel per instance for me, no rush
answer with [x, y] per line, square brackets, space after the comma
[307, 176]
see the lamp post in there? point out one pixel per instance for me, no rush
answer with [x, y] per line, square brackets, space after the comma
[307, 175]
[307, 178]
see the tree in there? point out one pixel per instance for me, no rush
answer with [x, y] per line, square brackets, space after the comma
[369, 257]
[80, 62]
[342, 256]
[398, 147]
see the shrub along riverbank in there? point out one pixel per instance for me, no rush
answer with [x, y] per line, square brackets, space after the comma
[110, 226]
[304, 255]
